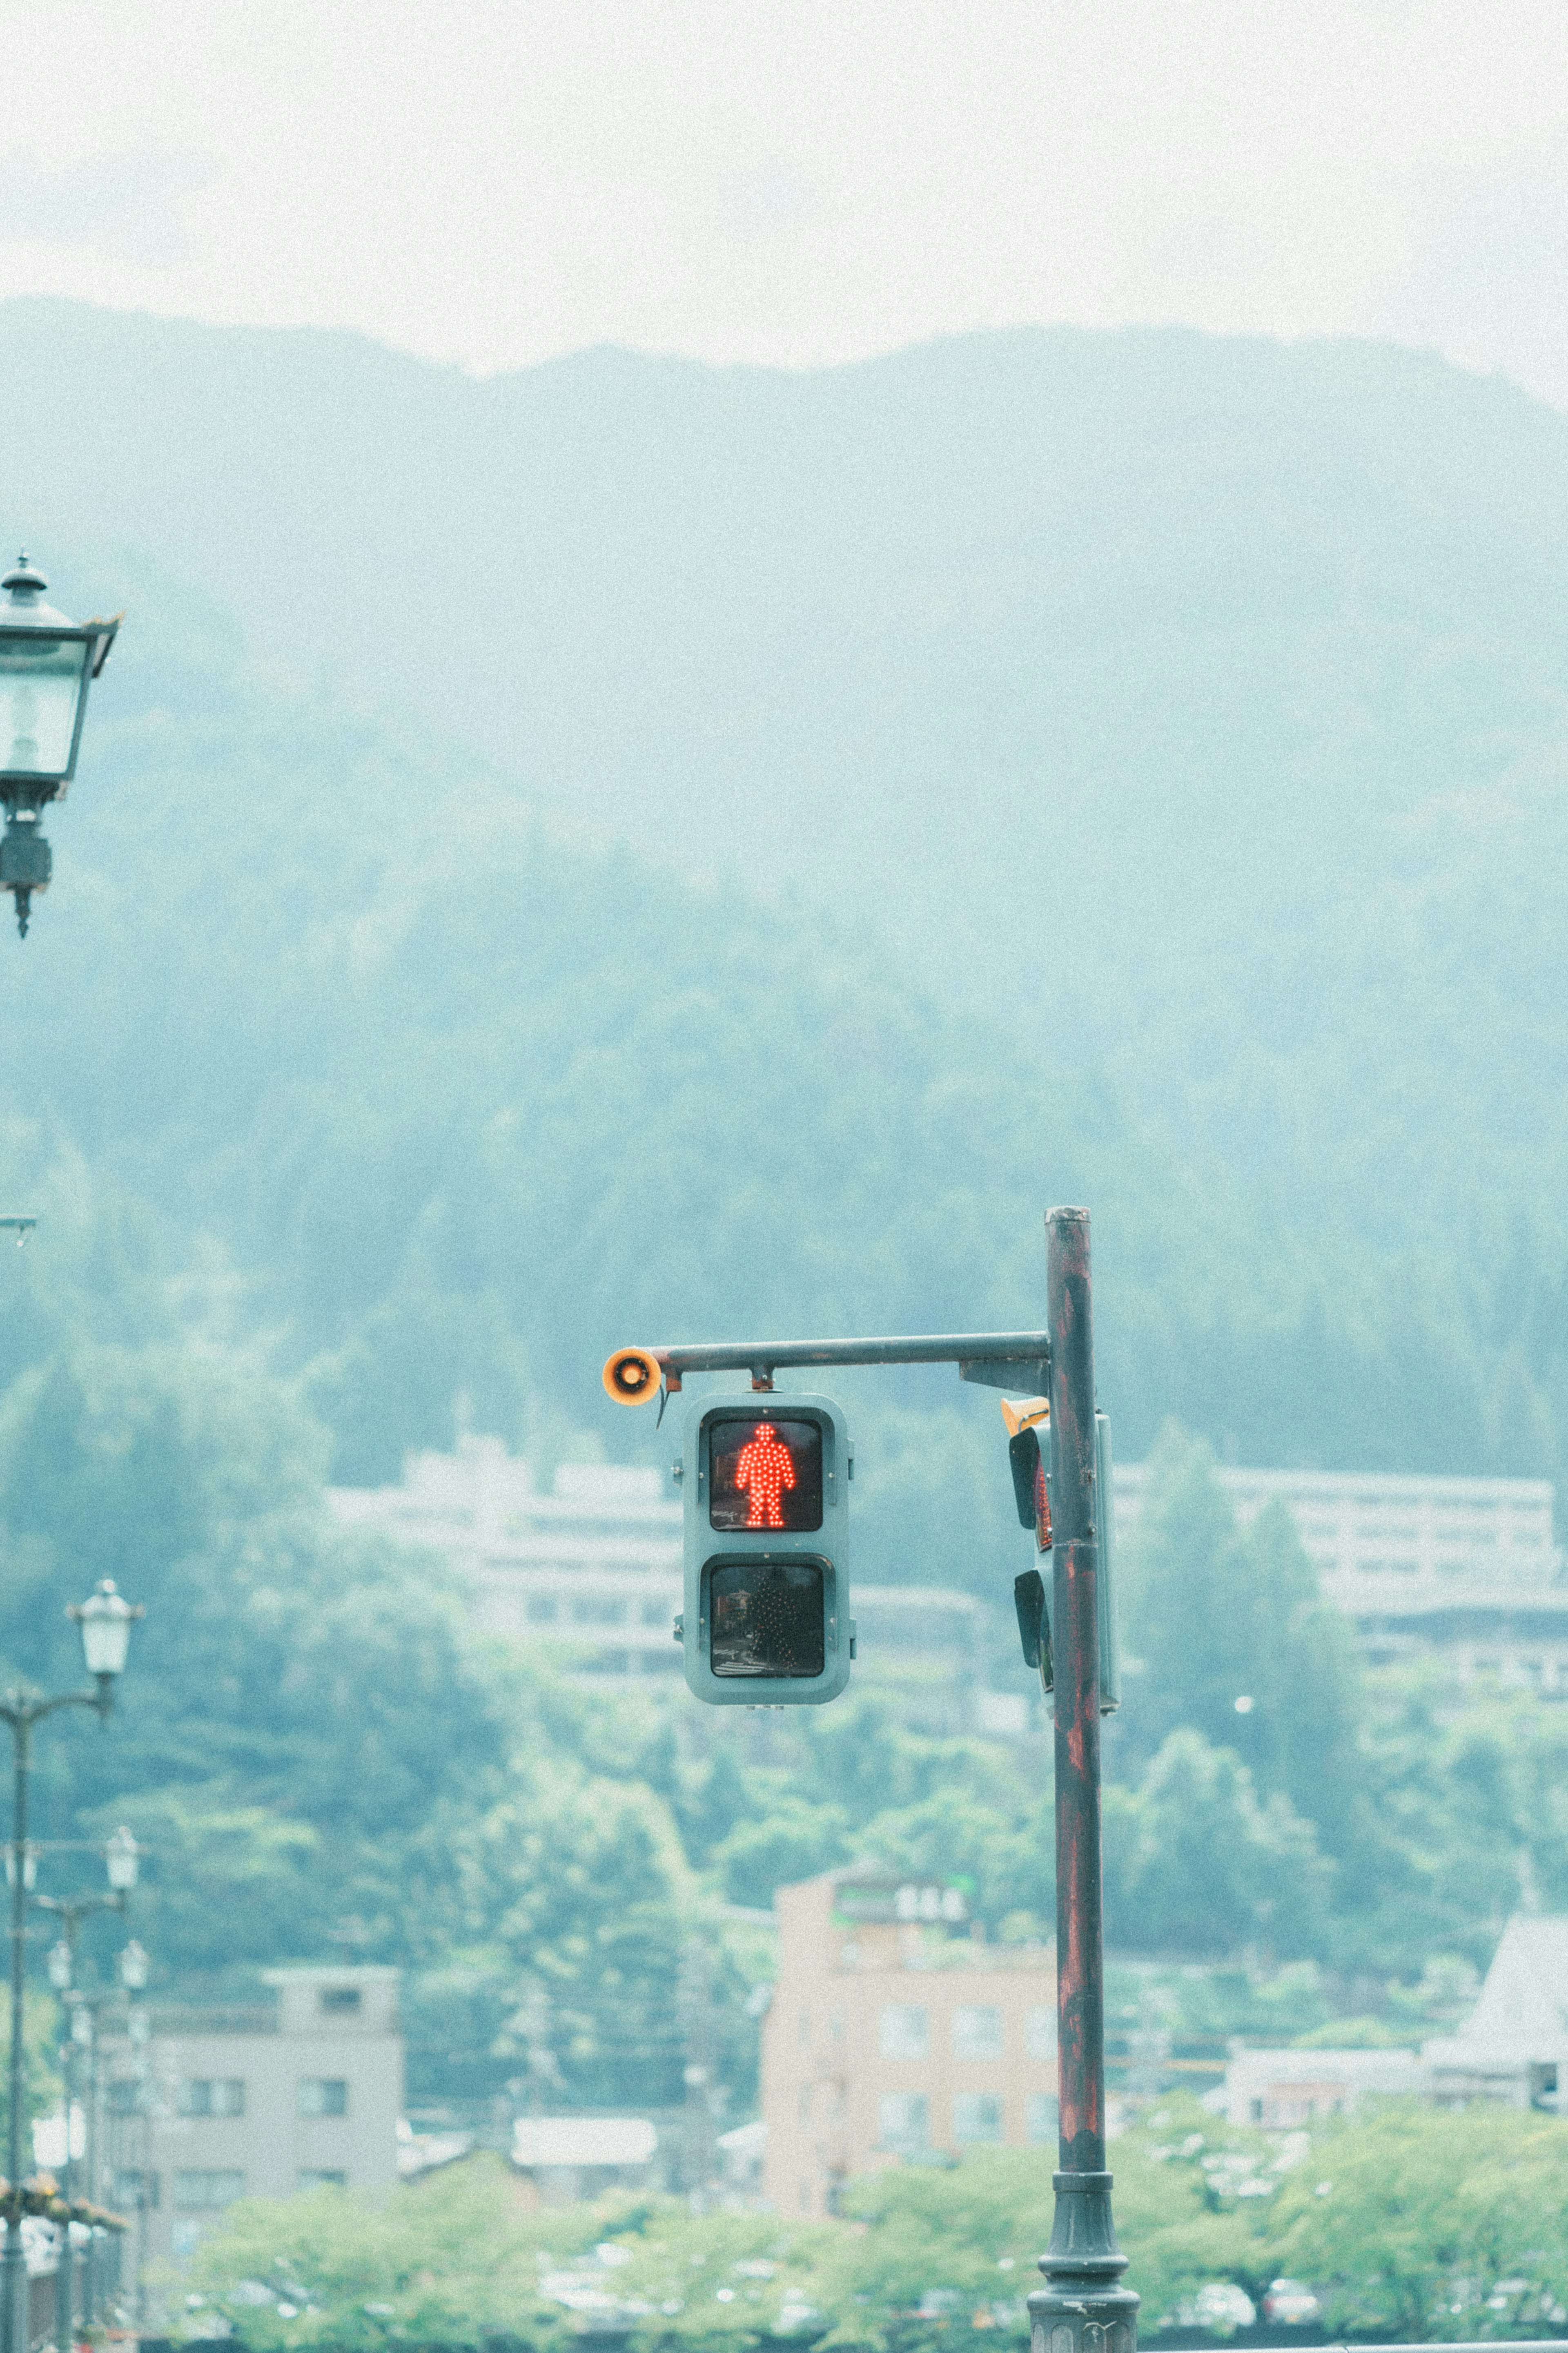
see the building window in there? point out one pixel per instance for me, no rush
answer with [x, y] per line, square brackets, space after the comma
[976, 2117]
[134, 2189]
[904, 2033]
[323, 2178]
[324, 2095]
[903, 2121]
[976, 2032]
[212, 2096]
[200, 2193]
[599, 1610]
[124, 2097]
[1040, 2031]
[541, 1609]
[806, 2104]
[1042, 2118]
[341, 2001]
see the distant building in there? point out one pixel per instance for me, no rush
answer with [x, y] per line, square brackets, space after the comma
[260, 2102]
[568, 2158]
[1515, 2047]
[592, 1571]
[1283, 2090]
[894, 2036]
[1467, 1570]
[742, 2156]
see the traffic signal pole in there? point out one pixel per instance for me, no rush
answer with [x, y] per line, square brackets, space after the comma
[1083, 2307]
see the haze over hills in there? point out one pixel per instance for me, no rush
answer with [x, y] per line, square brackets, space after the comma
[1128, 766]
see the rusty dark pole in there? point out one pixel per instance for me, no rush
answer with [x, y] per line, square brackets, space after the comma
[1083, 2307]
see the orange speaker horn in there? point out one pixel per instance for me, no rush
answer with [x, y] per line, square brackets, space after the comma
[632, 1375]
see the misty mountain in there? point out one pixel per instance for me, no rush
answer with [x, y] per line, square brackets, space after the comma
[634, 849]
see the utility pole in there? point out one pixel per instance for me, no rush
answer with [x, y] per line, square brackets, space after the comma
[1083, 2307]
[700, 2040]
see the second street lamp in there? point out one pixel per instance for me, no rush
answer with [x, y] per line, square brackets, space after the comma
[105, 1620]
[122, 1858]
[46, 664]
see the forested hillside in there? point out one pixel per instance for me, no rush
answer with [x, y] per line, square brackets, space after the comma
[1126, 765]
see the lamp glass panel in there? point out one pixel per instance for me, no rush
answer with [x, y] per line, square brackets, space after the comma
[105, 1639]
[40, 686]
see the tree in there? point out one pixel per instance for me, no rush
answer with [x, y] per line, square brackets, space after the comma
[1416, 2223]
[1212, 1616]
[1195, 1862]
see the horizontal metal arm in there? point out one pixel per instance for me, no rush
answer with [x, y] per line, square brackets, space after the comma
[1000, 1359]
[17, 1708]
[72, 1907]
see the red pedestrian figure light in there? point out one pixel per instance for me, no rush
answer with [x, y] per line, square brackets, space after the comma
[766, 1467]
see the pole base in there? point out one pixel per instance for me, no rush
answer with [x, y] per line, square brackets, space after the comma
[1083, 2307]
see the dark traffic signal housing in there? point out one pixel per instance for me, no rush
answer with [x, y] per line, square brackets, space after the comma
[765, 1485]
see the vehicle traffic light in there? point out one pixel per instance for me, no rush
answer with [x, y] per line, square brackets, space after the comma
[1028, 1419]
[765, 1487]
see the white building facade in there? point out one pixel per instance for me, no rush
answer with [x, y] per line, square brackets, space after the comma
[590, 1571]
[1469, 1570]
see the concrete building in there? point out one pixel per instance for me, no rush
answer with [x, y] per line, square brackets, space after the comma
[1283, 2090]
[563, 2158]
[210, 2104]
[1515, 2047]
[1466, 1569]
[894, 2035]
[591, 1572]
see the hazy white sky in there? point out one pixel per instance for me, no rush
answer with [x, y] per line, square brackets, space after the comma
[492, 182]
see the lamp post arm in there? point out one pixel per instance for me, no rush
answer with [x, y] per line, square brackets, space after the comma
[22, 1710]
[74, 1909]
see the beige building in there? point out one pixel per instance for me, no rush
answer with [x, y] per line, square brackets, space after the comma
[204, 2107]
[894, 2035]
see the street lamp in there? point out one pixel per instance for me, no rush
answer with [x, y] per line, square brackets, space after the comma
[105, 1622]
[134, 1978]
[122, 1857]
[46, 664]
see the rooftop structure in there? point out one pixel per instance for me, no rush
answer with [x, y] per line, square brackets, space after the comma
[1515, 2047]
[1468, 1568]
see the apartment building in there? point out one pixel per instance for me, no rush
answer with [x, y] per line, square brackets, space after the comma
[207, 2105]
[1465, 1569]
[894, 2035]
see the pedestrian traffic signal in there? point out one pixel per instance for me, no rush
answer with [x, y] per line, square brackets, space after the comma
[766, 1621]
